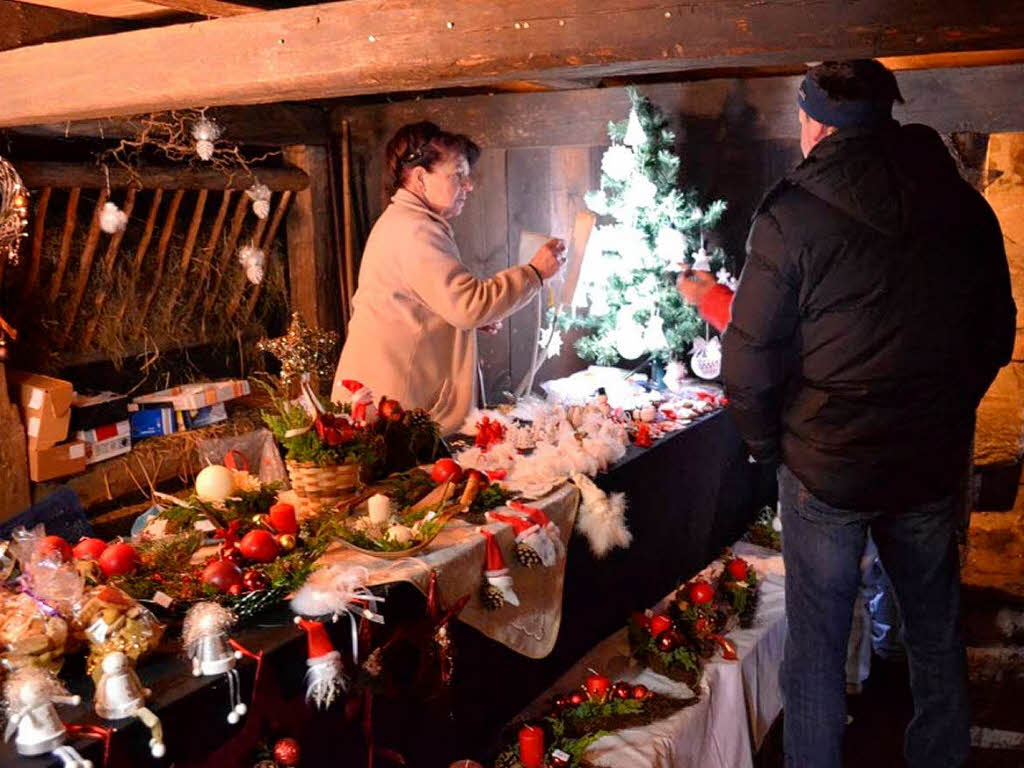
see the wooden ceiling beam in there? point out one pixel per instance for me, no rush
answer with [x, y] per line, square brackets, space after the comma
[380, 46]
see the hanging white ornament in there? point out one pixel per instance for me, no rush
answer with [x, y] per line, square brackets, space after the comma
[112, 219]
[618, 162]
[635, 136]
[701, 260]
[706, 360]
[260, 196]
[253, 261]
[205, 132]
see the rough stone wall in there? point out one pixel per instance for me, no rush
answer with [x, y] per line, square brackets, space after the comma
[999, 439]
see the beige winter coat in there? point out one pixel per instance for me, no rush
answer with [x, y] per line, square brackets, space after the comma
[413, 330]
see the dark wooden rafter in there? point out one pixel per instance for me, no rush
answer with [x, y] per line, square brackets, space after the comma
[267, 245]
[84, 268]
[38, 230]
[106, 274]
[70, 220]
[392, 46]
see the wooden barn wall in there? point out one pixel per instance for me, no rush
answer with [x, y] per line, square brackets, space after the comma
[542, 152]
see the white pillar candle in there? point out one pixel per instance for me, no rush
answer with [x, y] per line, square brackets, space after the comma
[378, 507]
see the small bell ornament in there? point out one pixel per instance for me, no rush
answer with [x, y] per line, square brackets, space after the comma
[205, 132]
[497, 587]
[30, 695]
[260, 196]
[205, 636]
[120, 694]
[325, 679]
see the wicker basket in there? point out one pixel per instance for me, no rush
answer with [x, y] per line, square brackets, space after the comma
[324, 485]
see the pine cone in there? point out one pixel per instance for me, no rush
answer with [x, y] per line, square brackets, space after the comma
[491, 597]
[527, 555]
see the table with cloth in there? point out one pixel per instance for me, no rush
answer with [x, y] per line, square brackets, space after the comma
[690, 494]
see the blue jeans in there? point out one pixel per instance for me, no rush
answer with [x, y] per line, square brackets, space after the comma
[822, 548]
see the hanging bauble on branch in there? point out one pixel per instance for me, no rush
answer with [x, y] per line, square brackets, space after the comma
[260, 196]
[205, 132]
[112, 219]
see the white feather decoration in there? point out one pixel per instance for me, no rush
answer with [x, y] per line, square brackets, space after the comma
[112, 219]
[602, 519]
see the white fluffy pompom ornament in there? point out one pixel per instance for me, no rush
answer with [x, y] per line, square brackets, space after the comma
[112, 219]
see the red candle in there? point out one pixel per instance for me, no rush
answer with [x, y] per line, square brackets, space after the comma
[531, 747]
[597, 687]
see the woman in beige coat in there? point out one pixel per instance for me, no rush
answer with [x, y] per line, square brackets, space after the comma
[412, 336]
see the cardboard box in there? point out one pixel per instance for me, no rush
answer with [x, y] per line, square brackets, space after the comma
[45, 404]
[107, 441]
[56, 461]
[203, 417]
[192, 397]
[89, 411]
[152, 422]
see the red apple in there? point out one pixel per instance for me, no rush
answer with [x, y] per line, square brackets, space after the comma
[55, 548]
[118, 559]
[737, 568]
[700, 592]
[659, 623]
[222, 575]
[446, 470]
[259, 545]
[89, 549]
[282, 518]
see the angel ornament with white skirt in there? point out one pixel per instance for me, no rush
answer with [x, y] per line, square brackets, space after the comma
[30, 695]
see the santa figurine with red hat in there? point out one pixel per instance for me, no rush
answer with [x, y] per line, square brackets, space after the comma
[497, 587]
[360, 398]
[325, 679]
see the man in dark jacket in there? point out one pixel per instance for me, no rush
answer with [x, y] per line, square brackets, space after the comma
[872, 314]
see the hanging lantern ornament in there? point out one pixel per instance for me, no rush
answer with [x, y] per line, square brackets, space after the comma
[205, 132]
[253, 261]
[13, 211]
[635, 136]
[260, 196]
[112, 219]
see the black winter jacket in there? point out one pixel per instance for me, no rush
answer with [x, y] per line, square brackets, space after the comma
[873, 312]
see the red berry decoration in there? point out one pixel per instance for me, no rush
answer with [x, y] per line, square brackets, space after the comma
[576, 699]
[737, 568]
[659, 623]
[640, 692]
[287, 752]
[88, 549]
[259, 545]
[622, 690]
[446, 470]
[55, 548]
[668, 641]
[700, 592]
[255, 581]
[118, 559]
[222, 575]
[390, 410]
[282, 518]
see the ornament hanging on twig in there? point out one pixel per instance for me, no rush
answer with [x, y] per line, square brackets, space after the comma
[260, 196]
[30, 695]
[205, 132]
[253, 261]
[205, 636]
[13, 211]
[112, 219]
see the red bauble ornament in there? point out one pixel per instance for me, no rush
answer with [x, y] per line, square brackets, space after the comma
[700, 592]
[88, 549]
[282, 518]
[287, 752]
[737, 568]
[622, 690]
[222, 575]
[640, 692]
[118, 559]
[55, 548]
[576, 699]
[597, 687]
[668, 641]
[659, 623]
[446, 470]
[255, 581]
[259, 545]
[390, 410]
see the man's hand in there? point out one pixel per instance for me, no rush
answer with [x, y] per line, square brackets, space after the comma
[491, 329]
[693, 285]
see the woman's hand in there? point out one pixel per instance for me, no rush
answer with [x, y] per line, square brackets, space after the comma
[549, 258]
[491, 329]
[693, 285]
